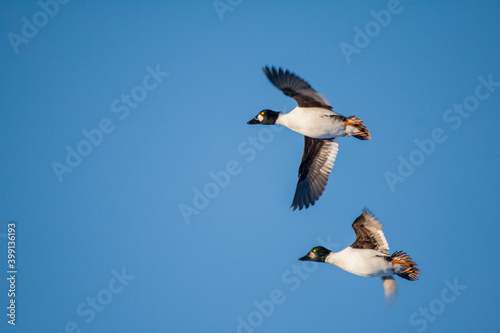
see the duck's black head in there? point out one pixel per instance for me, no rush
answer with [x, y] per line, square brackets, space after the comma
[265, 117]
[318, 253]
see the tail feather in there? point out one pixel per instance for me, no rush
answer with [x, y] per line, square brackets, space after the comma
[405, 267]
[364, 132]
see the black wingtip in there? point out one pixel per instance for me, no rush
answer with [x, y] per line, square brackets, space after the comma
[303, 202]
[274, 72]
[269, 70]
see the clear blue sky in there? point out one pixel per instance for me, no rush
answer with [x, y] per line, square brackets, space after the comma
[115, 115]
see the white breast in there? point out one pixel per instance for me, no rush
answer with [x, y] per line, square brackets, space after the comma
[362, 262]
[313, 122]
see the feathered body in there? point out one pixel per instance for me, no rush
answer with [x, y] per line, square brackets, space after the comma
[369, 256]
[315, 119]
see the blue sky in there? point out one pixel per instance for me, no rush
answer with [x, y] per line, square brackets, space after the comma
[115, 116]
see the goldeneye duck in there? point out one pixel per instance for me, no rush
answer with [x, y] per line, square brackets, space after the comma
[315, 119]
[369, 256]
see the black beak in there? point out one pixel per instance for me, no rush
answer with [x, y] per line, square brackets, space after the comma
[305, 258]
[253, 121]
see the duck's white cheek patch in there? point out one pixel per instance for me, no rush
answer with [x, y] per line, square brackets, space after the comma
[260, 117]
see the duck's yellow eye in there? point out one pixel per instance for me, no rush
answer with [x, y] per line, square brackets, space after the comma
[314, 250]
[262, 113]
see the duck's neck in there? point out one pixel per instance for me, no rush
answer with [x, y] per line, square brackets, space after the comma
[281, 120]
[330, 258]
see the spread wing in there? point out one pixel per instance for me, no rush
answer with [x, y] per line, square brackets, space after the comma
[295, 87]
[315, 167]
[369, 233]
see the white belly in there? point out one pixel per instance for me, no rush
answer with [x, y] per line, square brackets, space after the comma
[313, 122]
[368, 263]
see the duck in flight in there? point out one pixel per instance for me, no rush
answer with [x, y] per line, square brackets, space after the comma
[369, 256]
[315, 119]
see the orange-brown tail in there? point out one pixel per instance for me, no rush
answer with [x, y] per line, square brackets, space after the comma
[405, 267]
[364, 132]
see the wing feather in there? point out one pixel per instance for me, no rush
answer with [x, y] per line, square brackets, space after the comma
[315, 167]
[369, 233]
[296, 88]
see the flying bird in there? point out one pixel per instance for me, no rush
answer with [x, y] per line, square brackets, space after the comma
[369, 256]
[315, 119]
